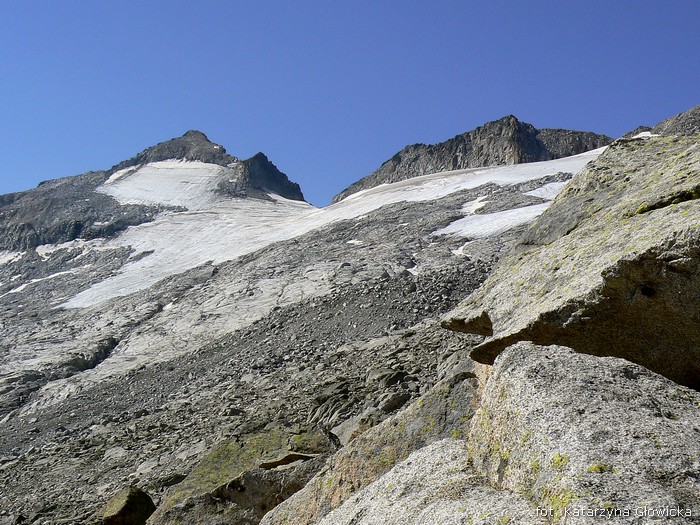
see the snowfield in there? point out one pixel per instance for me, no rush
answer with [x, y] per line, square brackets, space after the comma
[488, 224]
[189, 184]
[8, 257]
[216, 228]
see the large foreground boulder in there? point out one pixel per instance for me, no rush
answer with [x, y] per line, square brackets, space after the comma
[573, 433]
[610, 269]
[434, 486]
[245, 477]
[129, 506]
[558, 437]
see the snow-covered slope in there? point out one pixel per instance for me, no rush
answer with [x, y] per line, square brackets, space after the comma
[190, 184]
[216, 228]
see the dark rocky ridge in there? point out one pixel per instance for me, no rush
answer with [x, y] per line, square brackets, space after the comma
[256, 176]
[193, 145]
[504, 141]
[69, 208]
[683, 123]
[65, 209]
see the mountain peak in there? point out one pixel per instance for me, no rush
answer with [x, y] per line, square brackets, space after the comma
[193, 145]
[196, 135]
[503, 141]
[507, 118]
[259, 156]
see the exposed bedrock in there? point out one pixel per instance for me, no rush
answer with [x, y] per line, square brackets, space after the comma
[610, 269]
[544, 428]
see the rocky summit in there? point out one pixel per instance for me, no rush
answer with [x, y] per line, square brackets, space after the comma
[504, 141]
[70, 208]
[184, 340]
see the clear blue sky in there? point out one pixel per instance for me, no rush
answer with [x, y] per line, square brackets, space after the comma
[327, 89]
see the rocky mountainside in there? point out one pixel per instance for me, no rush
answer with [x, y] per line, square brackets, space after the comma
[62, 210]
[258, 360]
[504, 141]
[684, 123]
[615, 253]
[255, 175]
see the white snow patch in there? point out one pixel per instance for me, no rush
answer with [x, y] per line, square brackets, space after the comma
[8, 257]
[472, 206]
[33, 281]
[548, 191]
[122, 173]
[181, 241]
[45, 250]
[460, 251]
[438, 185]
[645, 135]
[189, 184]
[488, 224]
[219, 229]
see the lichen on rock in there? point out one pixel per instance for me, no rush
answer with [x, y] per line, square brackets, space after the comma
[242, 479]
[610, 268]
[129, 506]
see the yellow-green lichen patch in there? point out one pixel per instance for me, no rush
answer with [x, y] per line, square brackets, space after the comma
[559, 500]
[232, 458]
[560, 461]
[599, 468]
[115, 504]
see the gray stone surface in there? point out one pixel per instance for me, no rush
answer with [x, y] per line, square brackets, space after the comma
[573, 431]
[434, 486]
[611, 268]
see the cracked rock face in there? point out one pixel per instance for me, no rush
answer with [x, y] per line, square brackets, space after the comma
[544, 428]
[569, 430]
[610, 269]
[504, 141]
